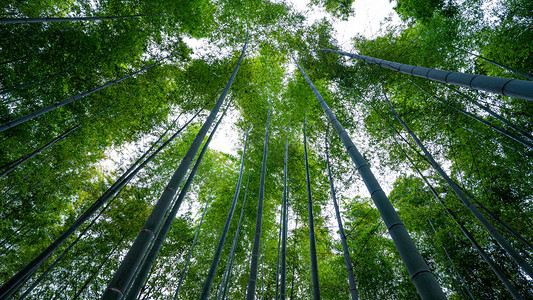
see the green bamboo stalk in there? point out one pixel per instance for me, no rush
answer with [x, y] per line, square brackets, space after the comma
[465, 231]
[216, 258]
[346, 250]
[9, 287]
[90, 278]
[283, 286]
[524, 265]
[16, 163]
[424, 281]
[497, 271]
[312, 241]
[503, 86]
[276, 295]
[147, 264]
[252, 280]
[5, 91]
[60, 257]
[124, 274]
[509, 228]
[182, 276]
[229, 265]
[525, 75]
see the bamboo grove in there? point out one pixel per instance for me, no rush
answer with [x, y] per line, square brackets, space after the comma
[396, 166]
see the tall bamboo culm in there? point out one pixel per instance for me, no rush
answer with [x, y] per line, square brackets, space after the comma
[503, 86]
[218, 252]
[14, 282]
[227, 272]
[511, 251]
[161, 236]
[276, 295]
[312, 239]
[424, 281]
[484, 255]
[252, 281]
[346, 250]
[283, 270]
[130, 263]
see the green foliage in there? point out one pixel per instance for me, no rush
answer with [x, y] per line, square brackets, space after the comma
[338, 8]
[423, 11]
[43, 63]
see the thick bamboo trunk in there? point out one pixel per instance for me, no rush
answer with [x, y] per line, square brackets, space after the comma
[184, 271]
[49, 108]
[465, 231]
[130, 263]
[229, 265]
[503, 86]
[312, 240]
[346, 250]
[283, 286]
[524, 265]
[72, 19]
[252, 280]
[161, 236]
[424, 281]
[32, 266]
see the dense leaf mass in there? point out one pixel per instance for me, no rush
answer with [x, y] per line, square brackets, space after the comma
[55, 166]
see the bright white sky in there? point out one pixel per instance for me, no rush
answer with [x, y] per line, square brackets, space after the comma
[369, 14]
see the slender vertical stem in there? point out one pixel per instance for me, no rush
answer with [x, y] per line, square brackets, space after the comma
[285, 219]
[465, 231]
[487, 123]
[424, 281]
[124, 274]
[511, 251]
[346, 250]
[252, 281]
[218, 252]
[276, 295]
[161, 235]
[49, 108]
[312, 241]
[9, 287]
[494, 114]
[234, 245]
[450, 260]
